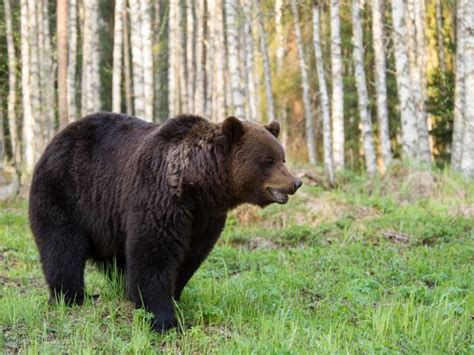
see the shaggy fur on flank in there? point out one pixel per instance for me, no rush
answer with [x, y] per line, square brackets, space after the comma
[150, 198]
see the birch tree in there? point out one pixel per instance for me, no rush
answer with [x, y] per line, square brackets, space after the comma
[407, 108]
[337, 105]
[459, 93]
[147, 45]
[266, 65]
[12, 66]
[219, 91]
[378, 36]
[361, 84]
[136, 46]
[249, 47]
[127, 66]
[467, 163]
[323, 93]
[173, 24]
[280, 38]
[28, 120]
[231, 7]
[305, 84]
[90, 100]
[191, 32]
[200, 73]
[62, 46]
[117, 56]
[72, 61]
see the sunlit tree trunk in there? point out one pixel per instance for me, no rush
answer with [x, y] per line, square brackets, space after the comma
[28, 120]
[381, 81]
[266, 65]
[210, 62]
[407, 108]
[467, 163]
[337, 87]
[173, 76]
[323, 92]
[249, 47]
[191, 34]
[280, 37]
[361, 84]
[182, 59]
[136, 46]
[127, 67]
[117, 56]
[12, 67]
[62, 22]
[34, 72]
[219, 57]
[200, 73]
[308, 112]
[72, 61]
[147, 47]
[459, 93]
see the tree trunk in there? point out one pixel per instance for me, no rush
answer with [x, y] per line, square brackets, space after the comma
[467, 163]
[72, 61]
[407, 108]
[280, 37]
[127, 67]
[12, 67]
[28, 120]
[337, 87]
[459, 93]
[219, 74]
[62, 45]
[191, 33]
[136, 41]
[173, 75]
[117, 56]
[200, 73]
[232, 7]
[147, 46]
[266, 65]
[361, 84]
[324, 97]
[34, 72]
[378, 35]
[310, 143]
[249, 47]
[210, 59]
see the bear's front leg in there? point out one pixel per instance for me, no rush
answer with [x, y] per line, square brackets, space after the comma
[153, 255]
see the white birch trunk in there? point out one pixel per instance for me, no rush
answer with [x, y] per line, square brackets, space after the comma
[136, 44]
[72, 61]
[173, 93]
[182, 59]
[210, 60]
[232, 7]
[337, 87]
[219, 75]
[324, 97]
[62, 52]
[127, 67]
[34, 73]
[191, 33]
[381, 81]
[200, 73]
[28, 120]
[266, 65]
[280, 37]
[249, 47]
[117, 56]
[407, 108]
[467, 162]
[12, 67]
[310, 143]
[459, 98]
[147, 46]
[361, 84]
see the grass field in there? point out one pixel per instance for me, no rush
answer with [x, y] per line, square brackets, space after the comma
[382, 265]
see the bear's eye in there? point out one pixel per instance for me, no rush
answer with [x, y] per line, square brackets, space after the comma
[269, 161]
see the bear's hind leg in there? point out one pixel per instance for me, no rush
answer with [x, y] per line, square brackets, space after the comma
[63, 253]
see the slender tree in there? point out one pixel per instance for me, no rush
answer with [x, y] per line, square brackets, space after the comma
[12, 67]
[127, 67]
[62, 46]
[173, 23]
[249, 48]
[147, 45]
[117, 56]
[361, 84]
[310, 143]
[219, 91]
[72, 61]
[280, 37]
[407, 107]
[467, 163]
[337, 106]
[378, 35]
[191, 32]
[266, 64]
[200, 73]
[323, 93]
[136, 46]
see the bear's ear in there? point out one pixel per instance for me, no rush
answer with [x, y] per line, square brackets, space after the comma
[232, 128]
[274, 128]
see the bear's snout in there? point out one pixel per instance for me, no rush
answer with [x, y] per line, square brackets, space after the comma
[297, 184]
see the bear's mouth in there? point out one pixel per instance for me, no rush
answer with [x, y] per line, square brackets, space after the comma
[278, 196]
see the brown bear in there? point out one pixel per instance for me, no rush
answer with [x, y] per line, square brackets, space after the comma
[150, 198]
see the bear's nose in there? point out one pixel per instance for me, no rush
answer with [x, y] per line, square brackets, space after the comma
[298, 184]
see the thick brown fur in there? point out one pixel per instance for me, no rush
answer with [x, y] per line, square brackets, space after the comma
[152, 199]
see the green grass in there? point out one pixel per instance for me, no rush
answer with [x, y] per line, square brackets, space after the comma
[318, 275]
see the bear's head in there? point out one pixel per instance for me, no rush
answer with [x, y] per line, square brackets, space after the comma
[258, 174]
